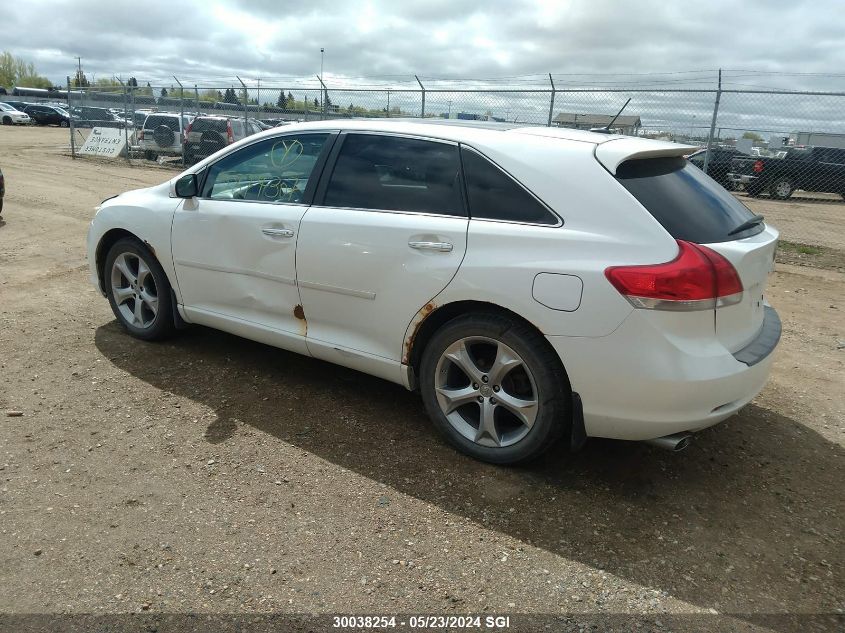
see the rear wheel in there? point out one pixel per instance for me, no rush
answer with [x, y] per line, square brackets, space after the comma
[7, 120]
[150, 155]
[494, 388]
[63, 124]
[138, 290]
[781, 189]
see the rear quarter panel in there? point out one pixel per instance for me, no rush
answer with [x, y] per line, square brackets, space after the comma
[603, 225]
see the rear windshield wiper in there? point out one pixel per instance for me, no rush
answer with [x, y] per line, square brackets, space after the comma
[757, 219]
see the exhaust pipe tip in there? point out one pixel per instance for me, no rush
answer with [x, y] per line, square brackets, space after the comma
[675, 442]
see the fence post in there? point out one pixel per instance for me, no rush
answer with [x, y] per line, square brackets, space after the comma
[325, 97]
[246, 105]
[70, 126]
[126, 123]
[197, 98]
[713, 122]
[551, 101]
[388, 103]
[181, 117]
[422, 88]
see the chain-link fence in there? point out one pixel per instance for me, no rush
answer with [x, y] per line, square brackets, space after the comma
[782, 152]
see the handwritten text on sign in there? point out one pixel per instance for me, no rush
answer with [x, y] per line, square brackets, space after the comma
[108, 142]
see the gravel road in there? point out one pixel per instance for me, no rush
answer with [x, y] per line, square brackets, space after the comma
[213, 475]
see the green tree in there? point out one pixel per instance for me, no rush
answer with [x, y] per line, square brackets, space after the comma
[15, 71]
[753, 136]
[282, 102]
[316, 103]
[163, 92]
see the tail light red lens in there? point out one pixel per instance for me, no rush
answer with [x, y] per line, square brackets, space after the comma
[699, 278]
[140, 135]
[229, 132]
[758, 166]
[188, 131]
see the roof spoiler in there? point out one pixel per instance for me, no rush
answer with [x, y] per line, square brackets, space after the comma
[614, 152]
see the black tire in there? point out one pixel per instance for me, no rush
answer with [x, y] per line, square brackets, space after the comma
[553, 393]
[150, 155]
[161, 326]
[63, 124]
[189, 157]
[781, 188]
[7, 120]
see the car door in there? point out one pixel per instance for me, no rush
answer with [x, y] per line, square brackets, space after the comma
[234, 246]
[386, 234]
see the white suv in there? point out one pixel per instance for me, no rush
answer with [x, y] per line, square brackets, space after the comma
[532, 283]
[162, 134]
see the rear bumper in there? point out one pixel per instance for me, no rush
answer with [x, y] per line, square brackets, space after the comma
[639, 383]
[742, 179]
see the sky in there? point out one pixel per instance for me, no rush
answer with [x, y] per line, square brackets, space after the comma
[449, 44]
[391, 40]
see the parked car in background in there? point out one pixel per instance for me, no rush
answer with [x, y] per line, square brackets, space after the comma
[48, 115]
[532, 283]
[20, 106]
[719, 164]
[817, 169]
[207, 134]
[88, 116]
[12, 116]
[162, 134]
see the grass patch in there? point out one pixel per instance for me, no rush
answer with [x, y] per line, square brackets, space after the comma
[807, 255]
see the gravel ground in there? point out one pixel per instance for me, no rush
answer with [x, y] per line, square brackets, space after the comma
[213, 475]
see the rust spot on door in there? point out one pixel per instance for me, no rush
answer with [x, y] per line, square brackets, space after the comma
[419, 317]
[299, 313]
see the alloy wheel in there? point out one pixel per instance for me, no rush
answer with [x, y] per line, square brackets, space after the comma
[134, 290]
[486, 391]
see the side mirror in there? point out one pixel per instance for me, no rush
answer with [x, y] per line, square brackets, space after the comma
[186, 186]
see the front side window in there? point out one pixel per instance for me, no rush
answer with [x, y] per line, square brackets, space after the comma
[494, 195]
[273, 170]
[394, 173]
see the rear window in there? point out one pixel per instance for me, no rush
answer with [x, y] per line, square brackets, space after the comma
[201, 125]
[688, 204]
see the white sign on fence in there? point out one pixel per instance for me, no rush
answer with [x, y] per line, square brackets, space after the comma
[108, 142]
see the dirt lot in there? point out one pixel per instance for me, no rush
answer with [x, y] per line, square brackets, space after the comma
[213, 475]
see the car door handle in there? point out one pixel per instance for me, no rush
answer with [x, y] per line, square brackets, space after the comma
[441, 247]
[278, 232]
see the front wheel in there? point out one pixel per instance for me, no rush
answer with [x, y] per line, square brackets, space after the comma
[138, 290]
[63, 124]
[495, 388]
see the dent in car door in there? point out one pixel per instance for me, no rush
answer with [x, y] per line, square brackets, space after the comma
[365, 272]
[234, 248]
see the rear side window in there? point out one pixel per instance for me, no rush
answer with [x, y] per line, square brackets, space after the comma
[493, 195]
[396, 174]
[688, 204]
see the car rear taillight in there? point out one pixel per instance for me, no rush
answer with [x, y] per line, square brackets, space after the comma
[758, 166]
[699, 278]
[229, 134]
[140, 135]
[187, 131]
